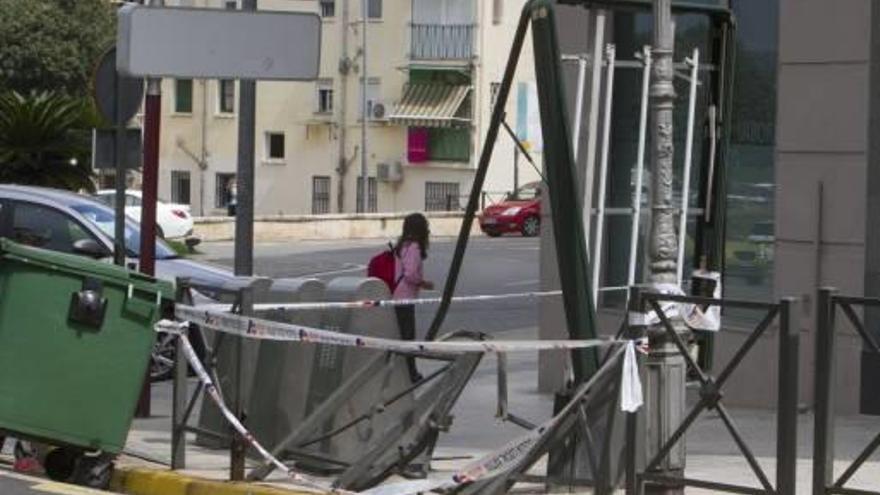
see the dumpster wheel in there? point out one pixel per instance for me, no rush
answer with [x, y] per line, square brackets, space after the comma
[69, 465]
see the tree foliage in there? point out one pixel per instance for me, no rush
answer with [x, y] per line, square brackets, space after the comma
[53, 45]
[44, 140]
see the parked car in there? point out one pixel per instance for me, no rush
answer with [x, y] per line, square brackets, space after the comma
[72, 223]
[172, 220]
[520, 212]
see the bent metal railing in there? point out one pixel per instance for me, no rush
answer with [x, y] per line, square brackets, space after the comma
[711, 393]
[823, 446]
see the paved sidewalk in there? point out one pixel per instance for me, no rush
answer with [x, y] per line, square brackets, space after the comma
[712, 454]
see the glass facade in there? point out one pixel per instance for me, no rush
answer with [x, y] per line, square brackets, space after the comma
[749, 159]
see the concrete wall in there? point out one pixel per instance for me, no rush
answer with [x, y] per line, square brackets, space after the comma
[337, 226]
[822, 138]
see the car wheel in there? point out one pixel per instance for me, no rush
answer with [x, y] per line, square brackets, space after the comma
[531, 227]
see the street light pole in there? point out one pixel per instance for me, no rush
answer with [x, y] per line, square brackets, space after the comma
[666, 368]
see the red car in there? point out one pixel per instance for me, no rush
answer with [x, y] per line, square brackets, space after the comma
[520, 212]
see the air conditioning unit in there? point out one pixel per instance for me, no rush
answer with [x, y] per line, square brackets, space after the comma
[378, 111]
[389, 172]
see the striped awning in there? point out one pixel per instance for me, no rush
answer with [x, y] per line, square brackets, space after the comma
[432, 105]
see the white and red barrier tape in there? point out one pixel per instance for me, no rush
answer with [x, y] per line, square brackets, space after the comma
[214, 394]
[258, 328]
[385, 303]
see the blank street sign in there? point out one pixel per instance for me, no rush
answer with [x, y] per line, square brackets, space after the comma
[218, 43]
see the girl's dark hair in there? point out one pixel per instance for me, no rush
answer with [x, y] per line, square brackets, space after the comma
[415, 229]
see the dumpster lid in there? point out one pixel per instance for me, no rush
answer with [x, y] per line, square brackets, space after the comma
[85, 266]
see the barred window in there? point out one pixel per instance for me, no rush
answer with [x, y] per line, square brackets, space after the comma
[441, 196]
[320, 194]
[372, 199]
[226, 96]
[180, 187]
[328, 8]
[223, 190]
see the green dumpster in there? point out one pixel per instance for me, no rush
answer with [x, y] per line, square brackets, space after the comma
[75, 339]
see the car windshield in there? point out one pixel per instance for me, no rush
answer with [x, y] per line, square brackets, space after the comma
[104, 219]
[525, 193]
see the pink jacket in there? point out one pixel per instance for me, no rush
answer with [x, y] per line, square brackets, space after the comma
[408, 268]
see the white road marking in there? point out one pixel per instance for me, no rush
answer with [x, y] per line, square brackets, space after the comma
[63, 489]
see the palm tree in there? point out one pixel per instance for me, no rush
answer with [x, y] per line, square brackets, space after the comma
[44, 141]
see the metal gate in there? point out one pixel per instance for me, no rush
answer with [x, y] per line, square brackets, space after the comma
[823, 447]
[711, 390]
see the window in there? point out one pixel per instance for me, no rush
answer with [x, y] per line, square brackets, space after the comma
[493, 94]
[320, 194]
[328, 8]
[449, 145]
[325, 96]
[275, 146]
[230, 4]
[44, 227]
[226, 96]
[183, 96]
[374, 93]
[371, 195]
[223, 189]
[180, 185]
[441, 196]
[374, 9]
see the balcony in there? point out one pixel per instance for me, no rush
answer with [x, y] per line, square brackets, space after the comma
[442, 41]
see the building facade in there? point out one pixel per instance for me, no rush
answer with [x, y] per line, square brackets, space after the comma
[432, 68]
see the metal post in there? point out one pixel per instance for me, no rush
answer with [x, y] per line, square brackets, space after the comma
[364, 115]
[786, 416]
[179, 395]
[579, 105]
[149, 191]
[238, 449]
[610, 58]
[244, 210]
[119, 201]
[823, 434]
[593, 122]
[635, 329]
[342, 101]
[515, 169]
[688, 161]
[666, 368]
[640, 167]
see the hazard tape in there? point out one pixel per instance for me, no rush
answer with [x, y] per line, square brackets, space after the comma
[494, 464]
[384, 303]
[511, 454]
[693, 316]
[257, 328]
[233, 421]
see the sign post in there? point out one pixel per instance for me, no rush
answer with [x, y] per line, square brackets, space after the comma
[118, 98]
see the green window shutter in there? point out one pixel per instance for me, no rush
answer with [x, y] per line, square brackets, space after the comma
[451, 145]
[183, 95]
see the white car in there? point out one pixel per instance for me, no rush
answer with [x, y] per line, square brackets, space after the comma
[172, 220]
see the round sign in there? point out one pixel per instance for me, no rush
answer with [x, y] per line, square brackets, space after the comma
[112, 89]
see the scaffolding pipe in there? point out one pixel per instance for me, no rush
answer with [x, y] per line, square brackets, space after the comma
[694, 62]
[640, 166]
[579, 105]
[610, 56]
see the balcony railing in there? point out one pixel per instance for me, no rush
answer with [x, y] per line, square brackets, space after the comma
[442, 41]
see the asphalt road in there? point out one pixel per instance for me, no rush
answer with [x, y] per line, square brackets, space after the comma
[492, 266]
[12, 483]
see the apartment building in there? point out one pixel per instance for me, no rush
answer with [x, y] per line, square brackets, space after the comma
[432, 69]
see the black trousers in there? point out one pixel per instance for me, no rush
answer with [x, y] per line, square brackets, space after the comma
[406, 321]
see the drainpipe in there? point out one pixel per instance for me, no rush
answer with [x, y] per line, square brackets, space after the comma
[344, 69]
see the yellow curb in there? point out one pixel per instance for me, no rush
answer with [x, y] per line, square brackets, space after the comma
[139, 481]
